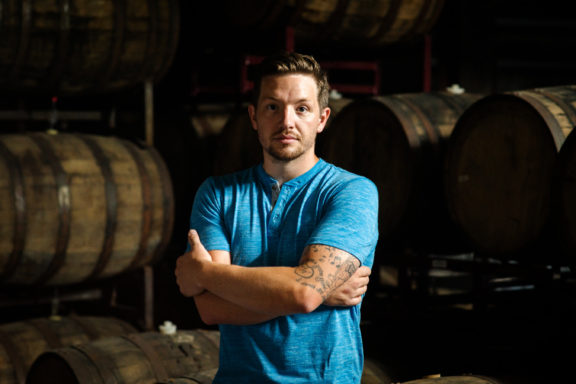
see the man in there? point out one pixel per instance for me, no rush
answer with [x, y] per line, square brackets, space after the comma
[280, 253]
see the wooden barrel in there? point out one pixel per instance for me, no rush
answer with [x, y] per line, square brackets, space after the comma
[77, 207]
[345, 21]
[202, 377]
[364, 22]
[397, 141]
[467, 379]
[374, 373]
[251, 14]
[147, 357]
[22, 342]
[564, 201]
[237, 146]
[81, 46]
[500, 165]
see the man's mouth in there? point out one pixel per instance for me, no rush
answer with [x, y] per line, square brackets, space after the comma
[286, 139]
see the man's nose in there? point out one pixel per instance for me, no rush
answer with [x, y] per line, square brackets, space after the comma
[288, 117]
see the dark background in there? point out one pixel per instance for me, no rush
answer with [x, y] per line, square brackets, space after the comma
[423, 314]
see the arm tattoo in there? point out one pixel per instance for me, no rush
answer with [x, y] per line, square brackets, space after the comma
[326, 269]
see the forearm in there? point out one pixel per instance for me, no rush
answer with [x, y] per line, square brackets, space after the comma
[215, 310]
[351, 292]
[269, 291]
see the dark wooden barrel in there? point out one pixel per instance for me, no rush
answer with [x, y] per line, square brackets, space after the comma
[465, 379]
[349, 21]
[564, 201]
[146, 357]
[397, 141]
[77, 207]
[236, 147]
[252, 14]
[355, 21]
[22, 342]
[500, 166]
[374, 373]
[75, 46]
[185, 140]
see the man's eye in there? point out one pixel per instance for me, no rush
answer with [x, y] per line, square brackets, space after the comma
[271, 107]
[302, 109]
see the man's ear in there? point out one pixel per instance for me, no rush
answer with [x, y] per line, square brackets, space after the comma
[324, 115]
[252, 115]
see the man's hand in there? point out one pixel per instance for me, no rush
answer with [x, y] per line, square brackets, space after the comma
[188, 266]
[350, 293]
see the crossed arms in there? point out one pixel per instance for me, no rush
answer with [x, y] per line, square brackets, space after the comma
[232, 294]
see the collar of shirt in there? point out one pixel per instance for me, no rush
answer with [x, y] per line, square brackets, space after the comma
[269, 182]
[272, 187]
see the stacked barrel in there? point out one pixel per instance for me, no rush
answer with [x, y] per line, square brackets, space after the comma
[492, 175]
[78, 208]
[341, 22]
[22, 342]
[508, 174]
[147, 357]
[398, 141]
[488, 174]
[78, 47]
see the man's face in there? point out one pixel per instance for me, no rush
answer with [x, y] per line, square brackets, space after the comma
[288, 116]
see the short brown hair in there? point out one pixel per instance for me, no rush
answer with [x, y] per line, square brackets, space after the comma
[290, 63]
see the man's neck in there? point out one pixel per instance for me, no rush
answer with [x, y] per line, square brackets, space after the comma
[284, 171]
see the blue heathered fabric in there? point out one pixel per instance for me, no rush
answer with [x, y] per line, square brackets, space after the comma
[327, 205]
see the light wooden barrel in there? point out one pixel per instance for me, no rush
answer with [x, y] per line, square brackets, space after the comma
[22, 342]
[467, 379]
[148, 357]
[77, 207]
[500, 165]
[398, 141]
[202, 377]
[82, 46]
[371, 374]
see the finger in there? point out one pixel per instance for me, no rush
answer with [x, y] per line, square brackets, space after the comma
[194, 238]
[364, 271]
[191, 238]
[354, 301]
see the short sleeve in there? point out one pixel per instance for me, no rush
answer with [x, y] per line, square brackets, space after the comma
[350, 220]
[207, 217]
